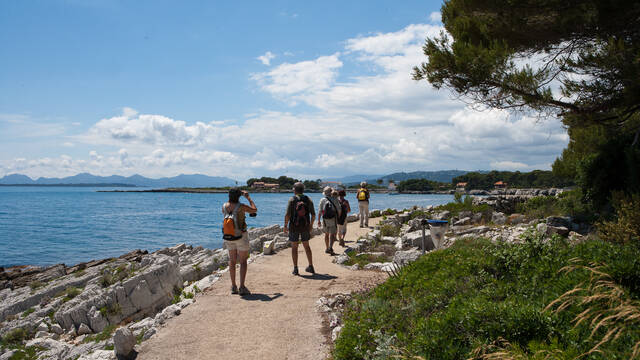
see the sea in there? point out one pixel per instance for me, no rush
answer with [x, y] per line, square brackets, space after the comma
[52, 225]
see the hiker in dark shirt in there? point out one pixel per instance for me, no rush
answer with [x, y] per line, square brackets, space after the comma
[298, 222]
[342, 220]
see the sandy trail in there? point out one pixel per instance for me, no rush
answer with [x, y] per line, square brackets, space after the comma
[279, 320]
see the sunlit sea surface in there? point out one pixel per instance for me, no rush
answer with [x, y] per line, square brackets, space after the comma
[51, 225]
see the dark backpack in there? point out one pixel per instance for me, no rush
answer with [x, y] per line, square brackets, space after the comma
[300, 214]
[343, 215]
[329, 211]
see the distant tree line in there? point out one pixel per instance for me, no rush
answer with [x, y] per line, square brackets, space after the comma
[421, 185]
[285, 182]
[533, 179]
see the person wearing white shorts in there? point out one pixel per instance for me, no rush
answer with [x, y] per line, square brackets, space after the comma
[239, 249]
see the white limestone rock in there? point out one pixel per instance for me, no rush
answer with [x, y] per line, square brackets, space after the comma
[99, 355]
[171, 311]
[386, 266]
[498, 218]
[341, 259]
[57, 329]
[463, 221]
[123, 342]
[335, 332]
[84, 329]
[53, 349]
[42, 327]
[405, 257]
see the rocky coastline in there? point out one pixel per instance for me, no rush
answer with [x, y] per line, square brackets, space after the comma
[102, 309]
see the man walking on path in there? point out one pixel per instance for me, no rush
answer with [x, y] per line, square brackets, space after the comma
[298, 222]
[363, 204]
[328, 213]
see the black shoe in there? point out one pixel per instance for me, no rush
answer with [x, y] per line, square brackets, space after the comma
[327, 251]
[234, 289]
[244, 291]
[309, 269]
[295, 271]
[331, 252]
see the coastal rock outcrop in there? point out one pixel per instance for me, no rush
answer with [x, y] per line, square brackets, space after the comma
[72, 309]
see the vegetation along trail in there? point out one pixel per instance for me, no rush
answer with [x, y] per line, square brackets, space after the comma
[279, 320]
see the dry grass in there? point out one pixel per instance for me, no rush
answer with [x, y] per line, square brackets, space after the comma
[608, 309]
[608, 312]
[501, 349]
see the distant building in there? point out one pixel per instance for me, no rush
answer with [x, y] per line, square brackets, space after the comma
[264, 185]
[500, 185]
[461, 186]
[333, 184]
[392, 186]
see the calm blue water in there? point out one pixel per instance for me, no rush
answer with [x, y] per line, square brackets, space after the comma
[50, 225]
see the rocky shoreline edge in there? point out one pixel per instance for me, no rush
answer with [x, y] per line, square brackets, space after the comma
[103, 309]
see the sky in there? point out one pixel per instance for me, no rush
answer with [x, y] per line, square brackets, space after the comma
[241, 89]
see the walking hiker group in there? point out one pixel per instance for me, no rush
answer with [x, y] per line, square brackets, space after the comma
[298, 224]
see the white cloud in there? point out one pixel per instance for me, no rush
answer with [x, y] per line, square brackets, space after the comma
[266, 58]
[509, 165]
[375, 123]
[305, 76]
[435, 17]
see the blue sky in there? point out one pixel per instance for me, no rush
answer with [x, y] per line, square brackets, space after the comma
[307, 89]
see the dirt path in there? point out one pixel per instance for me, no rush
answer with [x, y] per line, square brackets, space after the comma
[278, 321]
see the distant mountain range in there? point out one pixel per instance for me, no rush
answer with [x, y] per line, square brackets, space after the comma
[195, 180]
[440, 176]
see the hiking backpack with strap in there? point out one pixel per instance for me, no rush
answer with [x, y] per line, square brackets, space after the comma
[230, 228]
[343, 214]
[363, 195]
[300, 214]
[329, 211]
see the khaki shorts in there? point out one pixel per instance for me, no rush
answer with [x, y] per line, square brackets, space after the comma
[342, 229]
[241, 244]
[330, 226]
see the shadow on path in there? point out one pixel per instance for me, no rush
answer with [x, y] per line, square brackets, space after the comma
[319, 277]
[261, 297]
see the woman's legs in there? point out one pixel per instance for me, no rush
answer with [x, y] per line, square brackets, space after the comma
[233, 257]
[242, 259]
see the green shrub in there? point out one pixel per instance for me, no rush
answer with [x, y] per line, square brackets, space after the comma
[34, 285]
[26, 353]
[364, 259]
[374, 214]
[452, 301]
[626, 227]
[465, 204]
[176, 299]
[196, 289]
[106, 280]
[111, 309]
[15, 337]
[389, 211]
[389, 230]
[103, 335]
[540, 207]
[140, 336]
[27, 312]
[79, 273]
[69, 293]
[187, 295]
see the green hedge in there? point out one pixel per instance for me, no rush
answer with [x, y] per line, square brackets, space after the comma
[450, 302]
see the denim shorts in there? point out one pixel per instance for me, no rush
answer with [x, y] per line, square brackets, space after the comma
[299, 236]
